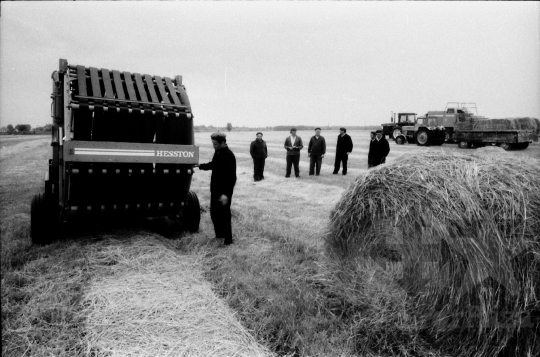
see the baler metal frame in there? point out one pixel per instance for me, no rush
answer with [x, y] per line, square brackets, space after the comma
[121, 130]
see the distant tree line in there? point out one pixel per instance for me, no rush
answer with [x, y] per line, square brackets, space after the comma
[21, 129]
[24, 129]
[229, 127]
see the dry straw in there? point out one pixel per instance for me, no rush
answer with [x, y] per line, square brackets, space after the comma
[465, 230]
[150, 301]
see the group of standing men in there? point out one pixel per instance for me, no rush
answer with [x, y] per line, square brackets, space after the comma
[378, 150]
[223, 167]
[316, 151]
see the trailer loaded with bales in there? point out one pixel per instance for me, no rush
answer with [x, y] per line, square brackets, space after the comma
[510, 134]
[464, 126]
[122, 145]
[460, 123]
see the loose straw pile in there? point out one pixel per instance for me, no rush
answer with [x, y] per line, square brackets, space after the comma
[149, 301]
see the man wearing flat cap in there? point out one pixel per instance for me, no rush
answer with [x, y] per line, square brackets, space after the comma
[293, 145]
[222, 181]
[259, 153]
[378, 150]
[316, 151]
[343, 149]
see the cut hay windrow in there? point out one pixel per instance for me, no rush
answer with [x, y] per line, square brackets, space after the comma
[466, 231]
[149, 301]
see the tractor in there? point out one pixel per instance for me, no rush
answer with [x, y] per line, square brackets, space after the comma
[421, 133]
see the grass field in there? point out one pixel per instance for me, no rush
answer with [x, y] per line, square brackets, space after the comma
[275, 289]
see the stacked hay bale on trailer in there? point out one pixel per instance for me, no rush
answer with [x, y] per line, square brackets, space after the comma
[122, 145]
[510, 133]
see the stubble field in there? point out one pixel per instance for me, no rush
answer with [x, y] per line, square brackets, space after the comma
[125, 289]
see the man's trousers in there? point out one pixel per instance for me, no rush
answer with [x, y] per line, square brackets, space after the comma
[315, 162]
[221, 218]
[341, 158]
[258, 169]
[293, 160]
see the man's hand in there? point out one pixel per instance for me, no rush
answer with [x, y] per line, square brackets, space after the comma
[196, 165]
[224, 200]
[322, 156]
[348, 153]
[309, 155]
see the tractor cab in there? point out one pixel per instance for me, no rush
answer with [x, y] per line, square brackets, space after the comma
[405, 118]
[397, 122]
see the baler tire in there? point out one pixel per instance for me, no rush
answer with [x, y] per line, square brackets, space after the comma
[400, 140]
[507, 146]
[522, 146]
[193, 212]
[40, 221]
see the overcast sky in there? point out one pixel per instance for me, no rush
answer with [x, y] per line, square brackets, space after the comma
[282, 63]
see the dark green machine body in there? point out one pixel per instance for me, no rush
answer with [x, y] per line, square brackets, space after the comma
[122, 144]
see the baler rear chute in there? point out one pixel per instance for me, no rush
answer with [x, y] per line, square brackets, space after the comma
[122, 144]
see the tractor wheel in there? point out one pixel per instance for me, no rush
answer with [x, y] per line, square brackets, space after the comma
[465, 145]
[423, 138]
[396, 133]
[193, 212]
[400, 140]
[42, 220]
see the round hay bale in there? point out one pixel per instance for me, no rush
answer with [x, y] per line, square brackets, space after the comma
[466, 230]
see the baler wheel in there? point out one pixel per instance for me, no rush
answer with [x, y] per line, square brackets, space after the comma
[41, 221]
[193, 212]
[400, 140]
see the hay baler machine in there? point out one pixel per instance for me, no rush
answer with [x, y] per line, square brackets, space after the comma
[122, 145]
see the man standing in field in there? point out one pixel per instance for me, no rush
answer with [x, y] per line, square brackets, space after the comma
[293, 145]
[379, 150]
[372, 136]
[222, 181]
[316, 151]
[259, 153]
[343, 149]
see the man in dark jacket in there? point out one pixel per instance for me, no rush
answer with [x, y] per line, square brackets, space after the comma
[293, 145]
[343, 149]
[259, 153]
[223, 166]
[378, 150]
[372, 137]
[316, 151]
